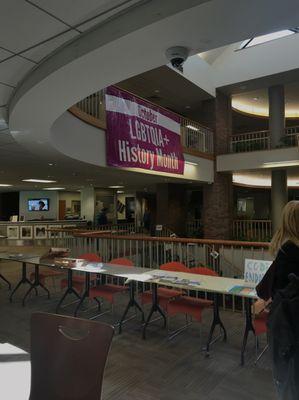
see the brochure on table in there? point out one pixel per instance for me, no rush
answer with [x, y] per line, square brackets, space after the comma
[254, 272]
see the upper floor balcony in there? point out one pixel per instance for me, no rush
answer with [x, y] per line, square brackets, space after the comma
[196, 139]
[253, 151]
[260, 140]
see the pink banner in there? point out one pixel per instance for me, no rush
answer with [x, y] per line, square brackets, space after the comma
[141, 135]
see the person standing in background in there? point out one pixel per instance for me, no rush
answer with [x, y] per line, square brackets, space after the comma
[102, 217]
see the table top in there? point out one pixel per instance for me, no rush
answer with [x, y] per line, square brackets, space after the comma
[205, 283]
[15, 372]
[182, 280]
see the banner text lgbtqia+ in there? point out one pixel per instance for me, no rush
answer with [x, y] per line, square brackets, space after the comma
[141, 135]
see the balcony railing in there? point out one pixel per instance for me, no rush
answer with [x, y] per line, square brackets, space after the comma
[226, 257]
[195, 138]
[260, 140]
[252, 230]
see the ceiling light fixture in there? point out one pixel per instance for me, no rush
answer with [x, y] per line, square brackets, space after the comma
[191, 163]
[120, 192]
[54, 188]
[115, 187]
[38, 180]
[193, 128]
[4, 185]
[290, 163]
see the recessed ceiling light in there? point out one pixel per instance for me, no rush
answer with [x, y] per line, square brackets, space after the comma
[38, 180]
[54, 188]
[4, 185]
[187, 107]
[157, 91]
[120, 192]
[50, 164]
[116, 187]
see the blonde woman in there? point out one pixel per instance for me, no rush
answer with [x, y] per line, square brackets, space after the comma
[281, 283]
[285, 248]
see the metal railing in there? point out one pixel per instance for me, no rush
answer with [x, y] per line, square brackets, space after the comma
[260, 140]
[225, 257]
[94, 105]
[252, 230]
[194, 136]
[193, 228]
[121, 228]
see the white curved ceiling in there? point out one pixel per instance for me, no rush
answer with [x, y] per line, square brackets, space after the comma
[114, 50]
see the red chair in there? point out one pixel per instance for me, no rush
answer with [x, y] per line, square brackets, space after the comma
[165, 294]
[190, 306]
[79, 280]
[108, 291]
[260, 328]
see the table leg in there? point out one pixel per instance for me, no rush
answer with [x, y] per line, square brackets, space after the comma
[85, 294]
[248, 327]
[69, 289]
[216, 321]
[23, 280]
[5, 280]
[155, 308]
[36, 283]
[132, 303]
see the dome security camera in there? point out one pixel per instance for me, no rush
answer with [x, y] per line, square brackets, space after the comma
[177, 55]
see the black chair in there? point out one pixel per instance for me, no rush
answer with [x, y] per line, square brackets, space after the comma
[68, 357]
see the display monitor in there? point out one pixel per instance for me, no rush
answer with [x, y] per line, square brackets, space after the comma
[38, 204]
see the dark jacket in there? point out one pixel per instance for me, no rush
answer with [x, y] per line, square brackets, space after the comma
[283, 326]
[285, 263]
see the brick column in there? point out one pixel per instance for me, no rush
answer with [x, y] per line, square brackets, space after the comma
[218, 197]
[171, 207]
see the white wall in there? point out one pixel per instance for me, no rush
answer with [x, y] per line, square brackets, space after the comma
[35, 194]
[87, 203]
[257, 159]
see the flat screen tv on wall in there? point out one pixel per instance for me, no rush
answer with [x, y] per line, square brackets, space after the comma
[38, 204]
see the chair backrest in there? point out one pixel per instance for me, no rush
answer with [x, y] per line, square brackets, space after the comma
[92, 257]
[68, 357]
[121, 262]
[203, 271]
[174, 266]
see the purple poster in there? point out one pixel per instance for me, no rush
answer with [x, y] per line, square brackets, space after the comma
[141, 135]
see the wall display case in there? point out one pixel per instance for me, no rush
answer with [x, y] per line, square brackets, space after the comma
[13, 232]
[40, 232]
[26, 232]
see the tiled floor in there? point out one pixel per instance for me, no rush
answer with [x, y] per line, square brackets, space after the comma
[154, 369]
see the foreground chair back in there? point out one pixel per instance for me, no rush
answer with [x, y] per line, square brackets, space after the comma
[68, 357]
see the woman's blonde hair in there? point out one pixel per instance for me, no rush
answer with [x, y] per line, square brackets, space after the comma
[289, 228]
